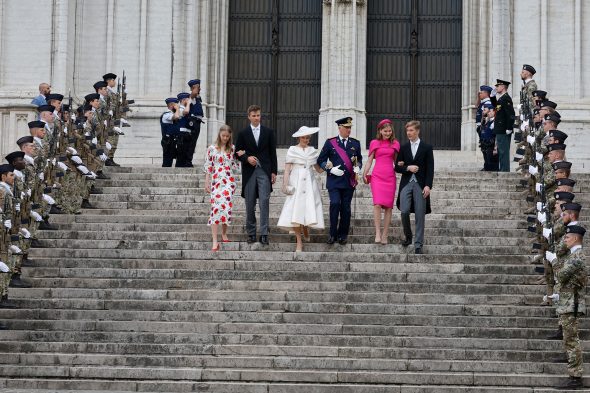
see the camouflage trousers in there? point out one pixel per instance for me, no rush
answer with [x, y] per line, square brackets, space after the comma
[114, 141]
[70, 193]
[571, 344]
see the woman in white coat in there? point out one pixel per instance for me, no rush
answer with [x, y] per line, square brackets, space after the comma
[303, 207]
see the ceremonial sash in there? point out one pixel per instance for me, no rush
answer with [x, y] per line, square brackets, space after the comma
[346, 160]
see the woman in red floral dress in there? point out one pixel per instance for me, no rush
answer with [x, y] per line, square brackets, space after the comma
[220, 181]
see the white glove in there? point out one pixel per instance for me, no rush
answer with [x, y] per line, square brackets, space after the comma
[91, 175]
[541, 217]
[23, 195]
[118, 130]
[29, 192]
[538, 156]
[547, 232]
[103, 157]
[17, 207]
[41, 176]
[108, 145]
[538, 187]
[336, 171]
[105, 123]
[62, 166]
[65, 130]
[72, 150]
[124, 121]
[110, 113]
[48, 199]
[523, 126]
[52, 161]
[539, 206]
[530, 139]
[550, 256]
[356, 170]
[36, 216]
[82, 169]
[3, 267]
[73, 117]
[8, 224]
[533, 170]
[26, 234]
[555, 297]
[94, 141]
[15, 249]
[77, 160]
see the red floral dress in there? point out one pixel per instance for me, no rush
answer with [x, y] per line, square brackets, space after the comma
[220, 166]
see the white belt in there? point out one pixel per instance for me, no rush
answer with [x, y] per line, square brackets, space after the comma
[182, 129]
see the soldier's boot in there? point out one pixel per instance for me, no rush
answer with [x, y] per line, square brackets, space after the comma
[95, 191]
[557, 335]
[17, 282]
[111, 162]
[5, 303]
[55, 210]
[25, 261]
[86, 204]
[572, 383]
[101, 175]
[35, 243]
[45, 225]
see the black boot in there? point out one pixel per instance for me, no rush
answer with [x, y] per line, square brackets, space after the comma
[86, 204]
[55, 210]
[17, 282]
[95, 191]
[35, 243]
[45, 225]
[110, 162]
[5, 303]
[572, 383]
[101, 175]
[558, 335]
[25, 262]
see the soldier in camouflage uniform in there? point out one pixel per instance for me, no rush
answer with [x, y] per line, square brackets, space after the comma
[114, 110]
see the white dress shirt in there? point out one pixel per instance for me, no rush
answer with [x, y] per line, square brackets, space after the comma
[256, 132]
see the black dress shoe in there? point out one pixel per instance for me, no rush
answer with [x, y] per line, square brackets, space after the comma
[95, 191]
[55, 210]
[330, 240]
[251, 239]
[17, 282]
[101, 175]
[342, 241]
[572, 383]
[110, 162]
[36, 243]
[264, 240]
[46, 226]
[407, 241]
[86, 204]
[418, 251]
[557, 335]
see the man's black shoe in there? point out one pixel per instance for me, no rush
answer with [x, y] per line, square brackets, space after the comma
[101, 175]
[330, 240]
[36, 243]
[418, 251]
[251, 239]
[110, 162]
[25, 262]
[264, 240]
[572, 383]
[86, 204]
[17, 282]
[5, 303]
[342, 241]
[95, 191]
[55, 210]
[46, 226]
[558, 335]
[407, 242]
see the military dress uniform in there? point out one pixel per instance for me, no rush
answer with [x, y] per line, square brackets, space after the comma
[340, 188]
[503, 126]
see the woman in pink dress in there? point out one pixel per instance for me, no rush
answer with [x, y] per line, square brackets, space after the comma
[383, 150]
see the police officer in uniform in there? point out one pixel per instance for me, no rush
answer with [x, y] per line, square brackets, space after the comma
[170, 132]
[195, 118]
[342, 160]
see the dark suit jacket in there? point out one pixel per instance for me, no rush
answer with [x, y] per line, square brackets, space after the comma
[504, 119]
[425, 161]
[265, 151]
[353, 149]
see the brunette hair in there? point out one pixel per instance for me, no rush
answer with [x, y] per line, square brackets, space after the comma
[227, 128]
[254, 108]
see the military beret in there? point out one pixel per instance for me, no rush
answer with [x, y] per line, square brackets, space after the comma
[540, 94]
[99, 85]
[24, 139]
[36, 124]
[54, 96]
[548, 103]
[566, 182]
[556, 146]
[14, 155]
[564, 196]
[575, 229]
[561, 165]
[91, 97]
[529, 68]
[502, 82]
[562, 136]
[108, 76]
[193, 82]
[571, 206]
[171, 100]
[5, 168]
[344, 122]
[65, 108]
[45, 108]
[486, 88]
[182, 96]
[87, 108]
[554, 117]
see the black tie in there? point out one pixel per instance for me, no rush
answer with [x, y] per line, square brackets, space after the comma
[344, 143]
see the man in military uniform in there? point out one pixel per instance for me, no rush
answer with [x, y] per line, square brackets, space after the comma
[572, 277]
[170, 132]
[528, 85]
[195, 108]
[342, 160]
[484, 101]
[503, 124]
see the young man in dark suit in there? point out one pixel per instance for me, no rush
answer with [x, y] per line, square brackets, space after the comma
[259, 171]
[342, 160]
[415, 162]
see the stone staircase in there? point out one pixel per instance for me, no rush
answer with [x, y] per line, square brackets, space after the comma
[129, 297]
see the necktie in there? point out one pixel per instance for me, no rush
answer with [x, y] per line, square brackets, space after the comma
[256, 134]
[414, 149]
[344, 143]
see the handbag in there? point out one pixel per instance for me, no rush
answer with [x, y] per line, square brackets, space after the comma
[368, 176]
[288, 190]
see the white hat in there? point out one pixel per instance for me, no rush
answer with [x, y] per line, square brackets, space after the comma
[304, 130]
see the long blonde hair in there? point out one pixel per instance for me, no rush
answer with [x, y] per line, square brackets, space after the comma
[228, 146]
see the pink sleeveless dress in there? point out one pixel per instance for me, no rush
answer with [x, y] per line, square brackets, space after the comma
[383, 180]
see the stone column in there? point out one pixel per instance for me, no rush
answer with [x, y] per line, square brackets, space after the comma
[13, 125]
[344, 54]
[471, 72]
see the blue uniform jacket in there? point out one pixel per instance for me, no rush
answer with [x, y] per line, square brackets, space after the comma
[353, 149]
